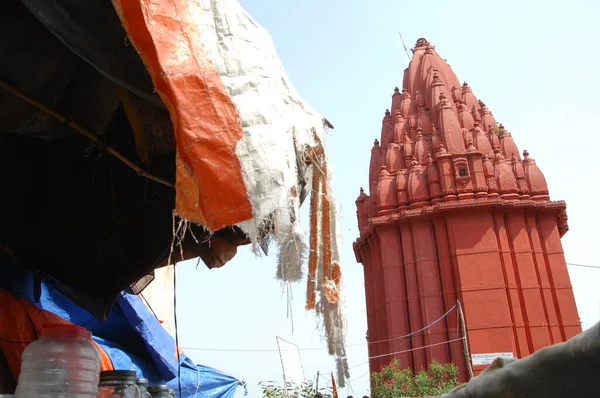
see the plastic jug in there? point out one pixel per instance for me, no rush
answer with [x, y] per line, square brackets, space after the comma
[61, 363]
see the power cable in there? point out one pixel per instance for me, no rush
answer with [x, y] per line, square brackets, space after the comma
[323, 348]
[418, 331]
[176, 328]
[409, 350]
[584, 265]
[361, 376]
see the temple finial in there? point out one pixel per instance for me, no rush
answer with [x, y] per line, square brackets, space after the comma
[497, 154]
[421, 43]
[441, 148]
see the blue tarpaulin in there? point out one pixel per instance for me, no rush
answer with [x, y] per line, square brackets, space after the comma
[131, 336]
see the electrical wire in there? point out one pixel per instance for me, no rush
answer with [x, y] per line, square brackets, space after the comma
[584, 265]
[360, 377]
[176, 329]
[148, 304]
[261, 377]
[324, 348]
[248, 349]
[418, 331]
[409, 350]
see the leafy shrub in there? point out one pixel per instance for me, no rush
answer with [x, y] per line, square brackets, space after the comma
[304, 390]
[392, 381]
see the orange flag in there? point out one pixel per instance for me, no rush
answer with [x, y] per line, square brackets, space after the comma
[333, 386]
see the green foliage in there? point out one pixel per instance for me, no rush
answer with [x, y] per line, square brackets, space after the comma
[497, 130]
[392, 381]
[304, 390]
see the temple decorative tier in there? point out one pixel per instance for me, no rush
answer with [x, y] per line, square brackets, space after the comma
[454, 212]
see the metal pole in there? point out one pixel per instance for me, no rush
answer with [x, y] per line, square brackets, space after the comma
[285, 388]
[317, 386]
[463, 330]
[404, 45]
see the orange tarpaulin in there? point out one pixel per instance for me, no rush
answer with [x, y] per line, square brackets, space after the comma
[21, 323]
[209, 185]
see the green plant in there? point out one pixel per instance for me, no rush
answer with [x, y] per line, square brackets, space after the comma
[498, 129]
[392, 381]
[304, 390]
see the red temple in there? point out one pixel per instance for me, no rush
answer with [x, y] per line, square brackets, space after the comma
[455, 213]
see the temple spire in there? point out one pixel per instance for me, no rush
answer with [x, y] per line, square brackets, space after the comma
[433, 114]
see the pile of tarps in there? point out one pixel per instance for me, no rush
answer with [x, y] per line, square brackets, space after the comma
[131, 338]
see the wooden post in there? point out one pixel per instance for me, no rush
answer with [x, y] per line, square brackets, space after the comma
[463, 330]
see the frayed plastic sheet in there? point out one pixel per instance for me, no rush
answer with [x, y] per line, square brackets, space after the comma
[241, 130]
[292, 254]
[272, 113]
[278, 126]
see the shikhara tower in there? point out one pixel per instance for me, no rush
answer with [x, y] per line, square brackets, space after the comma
[454, 212]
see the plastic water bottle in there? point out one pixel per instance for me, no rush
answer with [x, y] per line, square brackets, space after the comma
[61, 363]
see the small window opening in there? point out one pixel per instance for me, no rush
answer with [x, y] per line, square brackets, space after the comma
[462, 172]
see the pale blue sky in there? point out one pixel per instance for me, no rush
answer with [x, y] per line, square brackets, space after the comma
[534, 63]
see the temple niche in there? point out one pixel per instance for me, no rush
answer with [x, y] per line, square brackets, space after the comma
[455, 211]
